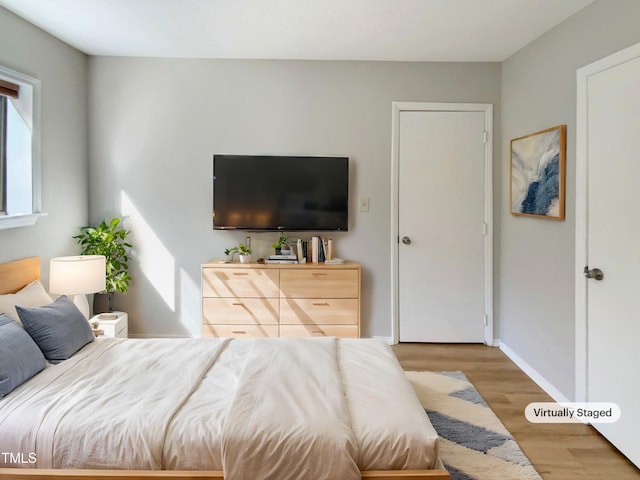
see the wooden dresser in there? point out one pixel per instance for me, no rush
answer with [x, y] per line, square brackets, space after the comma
[260, 300]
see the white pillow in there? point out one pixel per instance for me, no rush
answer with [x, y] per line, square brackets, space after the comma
[33, 295]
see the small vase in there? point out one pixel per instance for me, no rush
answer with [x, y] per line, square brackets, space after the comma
[245, 258]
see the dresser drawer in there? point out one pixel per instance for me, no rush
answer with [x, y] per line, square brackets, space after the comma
[319, 283]
[240, 311]
[240, 282]
[114, 330]
[342, 331]
[330, 311]
[239, 331]
[110, 331]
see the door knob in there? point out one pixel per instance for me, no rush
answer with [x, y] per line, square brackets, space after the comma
[594, 273]
[406, 240]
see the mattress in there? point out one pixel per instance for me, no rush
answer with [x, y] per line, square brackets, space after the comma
[263, 408]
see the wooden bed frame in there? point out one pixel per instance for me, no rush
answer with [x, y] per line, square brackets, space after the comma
[15, 275]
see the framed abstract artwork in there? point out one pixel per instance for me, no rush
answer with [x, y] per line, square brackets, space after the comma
[538, 167]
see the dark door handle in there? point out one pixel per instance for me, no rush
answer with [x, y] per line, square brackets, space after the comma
[594, 273]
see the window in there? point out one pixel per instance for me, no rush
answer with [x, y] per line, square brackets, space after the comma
[3, 149]
[19, 149]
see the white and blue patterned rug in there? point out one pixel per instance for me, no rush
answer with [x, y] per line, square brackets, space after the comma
[474, 444]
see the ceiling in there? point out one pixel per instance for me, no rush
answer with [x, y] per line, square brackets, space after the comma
[396, 30]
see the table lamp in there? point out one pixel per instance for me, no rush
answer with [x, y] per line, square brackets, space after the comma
[77, 276]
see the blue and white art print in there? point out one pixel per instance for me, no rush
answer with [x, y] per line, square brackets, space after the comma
[537, 174]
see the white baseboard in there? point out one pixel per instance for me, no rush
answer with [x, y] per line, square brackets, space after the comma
[153, 335]
[387, 340]
[533, 374]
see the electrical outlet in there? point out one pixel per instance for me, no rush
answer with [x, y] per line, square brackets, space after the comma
[364, 204]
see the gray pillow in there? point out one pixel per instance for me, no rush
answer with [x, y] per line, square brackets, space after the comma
[59, 329]
[20, 357]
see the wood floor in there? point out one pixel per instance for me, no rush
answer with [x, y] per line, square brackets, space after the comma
[558, 451]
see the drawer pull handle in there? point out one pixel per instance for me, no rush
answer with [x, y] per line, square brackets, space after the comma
[320, 304]
[238, 304]
[241, 273]
[241, 332]
[318, 273]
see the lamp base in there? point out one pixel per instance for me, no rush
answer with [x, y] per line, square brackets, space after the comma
[81, 302]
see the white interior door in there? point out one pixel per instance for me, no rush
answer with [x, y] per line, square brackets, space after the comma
[613, 246]
[441, 226]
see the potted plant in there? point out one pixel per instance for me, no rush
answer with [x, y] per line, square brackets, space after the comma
[244, 252]
[108, 239]
[281, 246]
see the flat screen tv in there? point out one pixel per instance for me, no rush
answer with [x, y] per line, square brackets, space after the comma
[286, 193]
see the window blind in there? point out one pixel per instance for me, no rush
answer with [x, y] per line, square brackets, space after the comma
[8, 89]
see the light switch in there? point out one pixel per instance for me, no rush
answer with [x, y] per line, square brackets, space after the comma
[364, 204]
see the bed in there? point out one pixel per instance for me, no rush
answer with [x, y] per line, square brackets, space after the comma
[266, 408]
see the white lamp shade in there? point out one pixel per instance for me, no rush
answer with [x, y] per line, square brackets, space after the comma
[77, 275]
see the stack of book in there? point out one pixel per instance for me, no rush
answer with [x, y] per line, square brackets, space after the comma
[282, 259]
[317, 249]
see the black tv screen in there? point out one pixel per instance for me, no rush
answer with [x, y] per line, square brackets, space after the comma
[288, 193]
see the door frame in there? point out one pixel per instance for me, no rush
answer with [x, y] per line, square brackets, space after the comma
[487, 109]
[582, 210]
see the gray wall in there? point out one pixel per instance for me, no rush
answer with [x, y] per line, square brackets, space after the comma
[155, 123]
[62, 71]
[535, 265]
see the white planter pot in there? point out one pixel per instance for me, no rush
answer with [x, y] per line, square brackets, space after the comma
[245, 258]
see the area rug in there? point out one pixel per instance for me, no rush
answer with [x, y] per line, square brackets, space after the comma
[474, 444]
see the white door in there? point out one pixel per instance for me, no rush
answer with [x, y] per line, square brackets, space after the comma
[441, 226]
[613, 246]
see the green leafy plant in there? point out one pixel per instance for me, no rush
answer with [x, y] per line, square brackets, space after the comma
[109, 240]
[281, 243]
[241, 249]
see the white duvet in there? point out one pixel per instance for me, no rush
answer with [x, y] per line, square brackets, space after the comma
[265, 408]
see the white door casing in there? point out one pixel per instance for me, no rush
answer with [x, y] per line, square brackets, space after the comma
[455, 132]
[607, 233]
